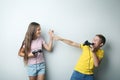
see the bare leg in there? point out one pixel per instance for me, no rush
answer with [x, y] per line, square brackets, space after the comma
[32, 77]
[41, 77]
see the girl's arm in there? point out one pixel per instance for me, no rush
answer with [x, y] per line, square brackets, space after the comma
[48, 46]
[69, 42]
[22, 53]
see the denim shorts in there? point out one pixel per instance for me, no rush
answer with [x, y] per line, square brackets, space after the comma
[36, 69]
[79, 76]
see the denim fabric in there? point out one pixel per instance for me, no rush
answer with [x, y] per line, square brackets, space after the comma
[36, 69]
[79, 76]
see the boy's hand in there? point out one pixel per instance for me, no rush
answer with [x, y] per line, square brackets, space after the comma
[93, 49]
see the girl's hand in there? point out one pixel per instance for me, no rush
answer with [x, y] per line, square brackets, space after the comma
[51, 33]
[31, 55]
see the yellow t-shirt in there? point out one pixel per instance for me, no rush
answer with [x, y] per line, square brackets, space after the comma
[85, 63]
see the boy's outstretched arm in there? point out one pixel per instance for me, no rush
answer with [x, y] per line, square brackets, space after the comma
[69, 42]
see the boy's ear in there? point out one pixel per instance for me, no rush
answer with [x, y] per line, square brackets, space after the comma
[101, 44]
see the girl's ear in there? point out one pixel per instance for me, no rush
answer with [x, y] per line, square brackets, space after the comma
[101, 44]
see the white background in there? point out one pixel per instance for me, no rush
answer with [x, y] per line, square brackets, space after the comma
[78, 20]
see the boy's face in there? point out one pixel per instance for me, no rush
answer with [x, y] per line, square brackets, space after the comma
[97, 42]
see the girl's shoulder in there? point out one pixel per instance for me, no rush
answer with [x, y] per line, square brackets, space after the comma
[41, 38]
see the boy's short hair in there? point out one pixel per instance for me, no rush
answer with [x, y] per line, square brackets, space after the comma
[103, 39]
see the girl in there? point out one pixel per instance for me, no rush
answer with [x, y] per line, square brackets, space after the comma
[31, 51]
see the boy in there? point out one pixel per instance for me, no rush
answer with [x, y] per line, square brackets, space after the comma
[91, 57]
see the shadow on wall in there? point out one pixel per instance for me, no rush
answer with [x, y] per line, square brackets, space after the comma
[104, 66]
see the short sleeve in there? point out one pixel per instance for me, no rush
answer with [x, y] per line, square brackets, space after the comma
[81, 46]
[43, 41]
[101, 54]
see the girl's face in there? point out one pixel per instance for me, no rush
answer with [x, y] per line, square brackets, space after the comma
[97, 42]
[38, 32]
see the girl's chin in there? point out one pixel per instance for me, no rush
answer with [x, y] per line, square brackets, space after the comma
[38, 35]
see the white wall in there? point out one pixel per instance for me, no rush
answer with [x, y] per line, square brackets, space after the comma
[78, 20]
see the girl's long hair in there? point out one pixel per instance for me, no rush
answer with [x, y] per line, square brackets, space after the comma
[29, 36]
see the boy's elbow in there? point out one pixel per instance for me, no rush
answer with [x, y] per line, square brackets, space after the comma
[96, 65]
